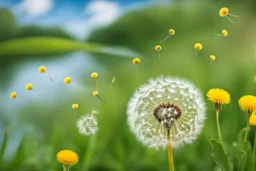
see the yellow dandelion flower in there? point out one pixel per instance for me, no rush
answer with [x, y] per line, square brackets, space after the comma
[136, 61]
[67, 157]
[94, 75]
[13, 95]
[67, 80]
[224, 33]
[247, 103]
[171, 32]
[224, 12]
[198, 46]
[219, 96]
[95, 93]
[29, 86]
[252, 120]
[42, 69]
[75, 106]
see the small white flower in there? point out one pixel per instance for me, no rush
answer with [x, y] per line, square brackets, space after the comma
[87, 124]
[165, 106]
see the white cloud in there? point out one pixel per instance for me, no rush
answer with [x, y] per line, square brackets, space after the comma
[98, 13]
[34, 7]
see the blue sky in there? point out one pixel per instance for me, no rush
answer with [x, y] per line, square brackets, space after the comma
[79, 17]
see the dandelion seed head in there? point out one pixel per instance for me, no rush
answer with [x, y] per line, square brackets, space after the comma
[67, 80]
[87, 124]
[94, 75]
[247, 103]
[218, 96]
[212, 57]
[171, 32]
[224, 33]
[224, 12]
[166, 103]
[29, 86]
[67, 157]
[42, 69]
[198, 46]
[13, 95]
[95, 93]
[75, 106]
[252, 120]
[136, 61]
[158, 47]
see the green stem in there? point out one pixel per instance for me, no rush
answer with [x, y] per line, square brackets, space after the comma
[218, 126]
[170, 155]
[66, 167]
[254, 149]
[246, 131]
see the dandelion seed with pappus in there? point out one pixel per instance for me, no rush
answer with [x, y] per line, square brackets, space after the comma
[224, 12]
[166, 112]
[158, 48]
[248, 104]
[171, 33]
[112, 82]
[198, 47]
[94, 75]
[136, 61]
[13, 95]
[42, 69]
[68, 80]
[224, 33]
[96, 93]
[75, 107]
[87, 124]
[218, 97]
[67, 158]
[212, 58]
[29, 87]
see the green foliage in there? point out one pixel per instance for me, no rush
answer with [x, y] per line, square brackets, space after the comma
[219, 156]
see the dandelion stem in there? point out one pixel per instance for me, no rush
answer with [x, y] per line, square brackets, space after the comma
[170, 155]
[254, 150]
[218, 126]
[66, 167]
[246, 131]
[165, 39]
[36, 92]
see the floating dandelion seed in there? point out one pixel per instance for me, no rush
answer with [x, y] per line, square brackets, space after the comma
[198, 47]
[136, 61]
[75, 107]
[248, 104]
[29, 87]
[224, 12]
[212, 58]
[158, 48]
[94, 75]
[112, 82]
[166, 112]
[218, 97]
[224, 33]
[13, 95]
[87, 124]
[67, 158]
[96, 93]
[68, 80]
[42, 69]
[171, 33]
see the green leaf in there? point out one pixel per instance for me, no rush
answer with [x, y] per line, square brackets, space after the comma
[43, 46]
[219, 155]
[3, 145]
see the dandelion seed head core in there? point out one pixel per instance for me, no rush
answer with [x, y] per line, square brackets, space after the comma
[95, 93]
[171, 32]
[252, 120]
[67, 157]
[75, 106]
[87, 124]
[67, 80]
[224, 12]
[224, 33]
[198, 46]
[13, 95]
[158, 48]
[247, 103]
[94, 75]
[136, 61]
[29, 86]
[218, 96]
[42, 69]
[166, 104]
[212, 57]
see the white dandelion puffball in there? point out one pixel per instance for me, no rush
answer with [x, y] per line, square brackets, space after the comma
[87, 124]
[166, 110]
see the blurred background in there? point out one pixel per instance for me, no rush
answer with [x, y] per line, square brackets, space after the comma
[76, 37]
